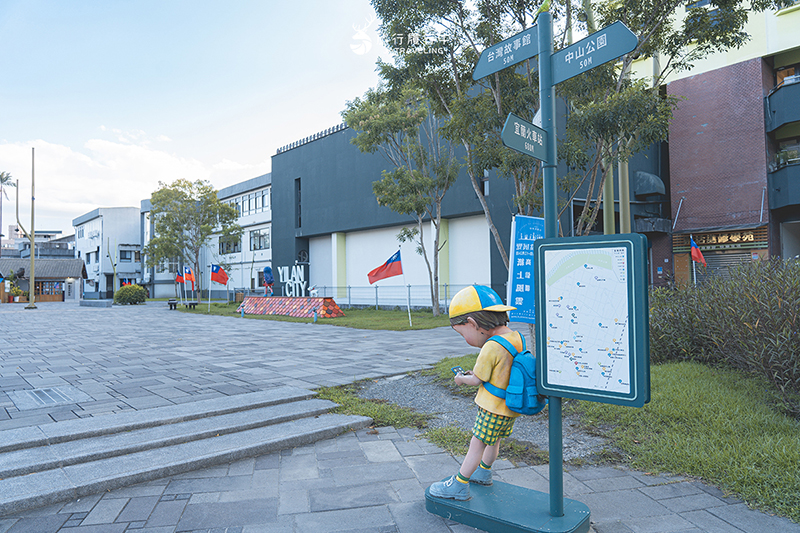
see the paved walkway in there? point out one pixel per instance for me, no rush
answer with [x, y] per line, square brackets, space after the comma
[371, 481]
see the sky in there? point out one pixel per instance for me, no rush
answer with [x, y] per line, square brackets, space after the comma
[107, 98]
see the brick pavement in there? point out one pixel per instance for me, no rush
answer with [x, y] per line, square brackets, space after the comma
[137, 357]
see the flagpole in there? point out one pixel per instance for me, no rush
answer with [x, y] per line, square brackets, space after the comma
[694, 263]
[408, 292]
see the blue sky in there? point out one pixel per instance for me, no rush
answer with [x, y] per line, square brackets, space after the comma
[116, 95]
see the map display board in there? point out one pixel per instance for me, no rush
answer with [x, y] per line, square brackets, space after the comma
[592, 333]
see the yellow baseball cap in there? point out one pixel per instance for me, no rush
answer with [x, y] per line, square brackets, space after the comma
[476, 298]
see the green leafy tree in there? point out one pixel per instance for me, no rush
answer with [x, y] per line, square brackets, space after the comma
[399, 124]
[5, 181]
[185, 214]
[613, 115]
[473, 113]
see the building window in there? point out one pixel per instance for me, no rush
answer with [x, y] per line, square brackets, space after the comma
[170, 266]
[125, 256]
[230, 247]
[80, 232]
[259, 239]
[298, 219]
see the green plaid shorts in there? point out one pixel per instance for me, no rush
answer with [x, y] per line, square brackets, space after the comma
[489, 427]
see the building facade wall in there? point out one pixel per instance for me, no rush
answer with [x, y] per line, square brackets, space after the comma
[100, 237]
[718, 155]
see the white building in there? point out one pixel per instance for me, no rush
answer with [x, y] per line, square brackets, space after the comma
[244, 261]
[105, 238]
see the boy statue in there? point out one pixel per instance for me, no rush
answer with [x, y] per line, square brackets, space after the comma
[477, 313]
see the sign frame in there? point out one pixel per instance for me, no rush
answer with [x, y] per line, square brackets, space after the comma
[620, 40]
[638, 322]
[524, 137]
[529, 36]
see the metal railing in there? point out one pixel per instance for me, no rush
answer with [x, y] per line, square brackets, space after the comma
[390, 296]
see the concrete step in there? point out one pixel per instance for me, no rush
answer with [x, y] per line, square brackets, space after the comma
[28, 437]
[36, 459]
[163, 442]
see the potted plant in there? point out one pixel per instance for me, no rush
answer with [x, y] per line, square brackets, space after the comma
[16, 292]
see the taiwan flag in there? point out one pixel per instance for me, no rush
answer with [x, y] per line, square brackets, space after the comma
[179, 278]
[392, 267]
[188, 275]
[219, 275]
[697, 255]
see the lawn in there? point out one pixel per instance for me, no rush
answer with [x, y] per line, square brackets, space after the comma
[394, 320]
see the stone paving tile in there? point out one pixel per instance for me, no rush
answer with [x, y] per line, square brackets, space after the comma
[363, 481]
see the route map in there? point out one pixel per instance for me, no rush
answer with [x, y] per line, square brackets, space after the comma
[586, 296]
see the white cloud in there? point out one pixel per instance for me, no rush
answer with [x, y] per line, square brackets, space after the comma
[227, 164]
[70, 183]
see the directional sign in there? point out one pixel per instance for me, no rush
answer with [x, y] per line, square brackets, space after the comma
[524, 137]
[513, 50]
[598, 48]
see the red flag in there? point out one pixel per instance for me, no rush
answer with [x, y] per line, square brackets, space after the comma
[179, 278]
[188, 275]
[392, 267]
[219, 275]
[697, 255]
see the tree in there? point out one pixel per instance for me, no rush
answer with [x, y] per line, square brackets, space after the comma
[185, 214]
[5, 181]
[614, 116]
[473, 112]
[399, 124]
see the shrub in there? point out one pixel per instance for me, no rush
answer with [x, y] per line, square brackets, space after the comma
[750, 320]
[130, 294]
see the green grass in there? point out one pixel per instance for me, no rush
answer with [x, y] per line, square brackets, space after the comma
[442, 373]
[719, 425]
[393, 320]
[382, 413]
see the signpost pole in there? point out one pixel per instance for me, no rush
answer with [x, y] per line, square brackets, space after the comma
[547, 96]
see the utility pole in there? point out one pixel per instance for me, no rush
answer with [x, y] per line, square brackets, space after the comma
[31, 236]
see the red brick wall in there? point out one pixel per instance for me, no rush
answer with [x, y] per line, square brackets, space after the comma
[718, 147]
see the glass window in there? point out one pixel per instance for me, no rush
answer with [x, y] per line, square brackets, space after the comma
[125, 256]
[259, 239]
[230, 247]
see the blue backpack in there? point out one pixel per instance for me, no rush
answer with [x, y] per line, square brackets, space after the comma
[520, 394]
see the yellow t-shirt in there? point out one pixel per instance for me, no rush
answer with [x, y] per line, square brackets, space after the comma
[494, 365]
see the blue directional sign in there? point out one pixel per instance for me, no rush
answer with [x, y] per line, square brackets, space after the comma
[513, 50]
[524, 137]
[521, 289]
[600, 47]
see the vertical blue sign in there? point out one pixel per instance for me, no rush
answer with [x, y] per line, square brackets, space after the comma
[521, 294]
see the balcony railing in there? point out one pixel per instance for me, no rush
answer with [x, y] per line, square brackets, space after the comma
[783, 106]
[784, 186]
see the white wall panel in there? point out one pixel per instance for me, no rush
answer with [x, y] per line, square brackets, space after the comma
[470, 242]
[320, 261]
